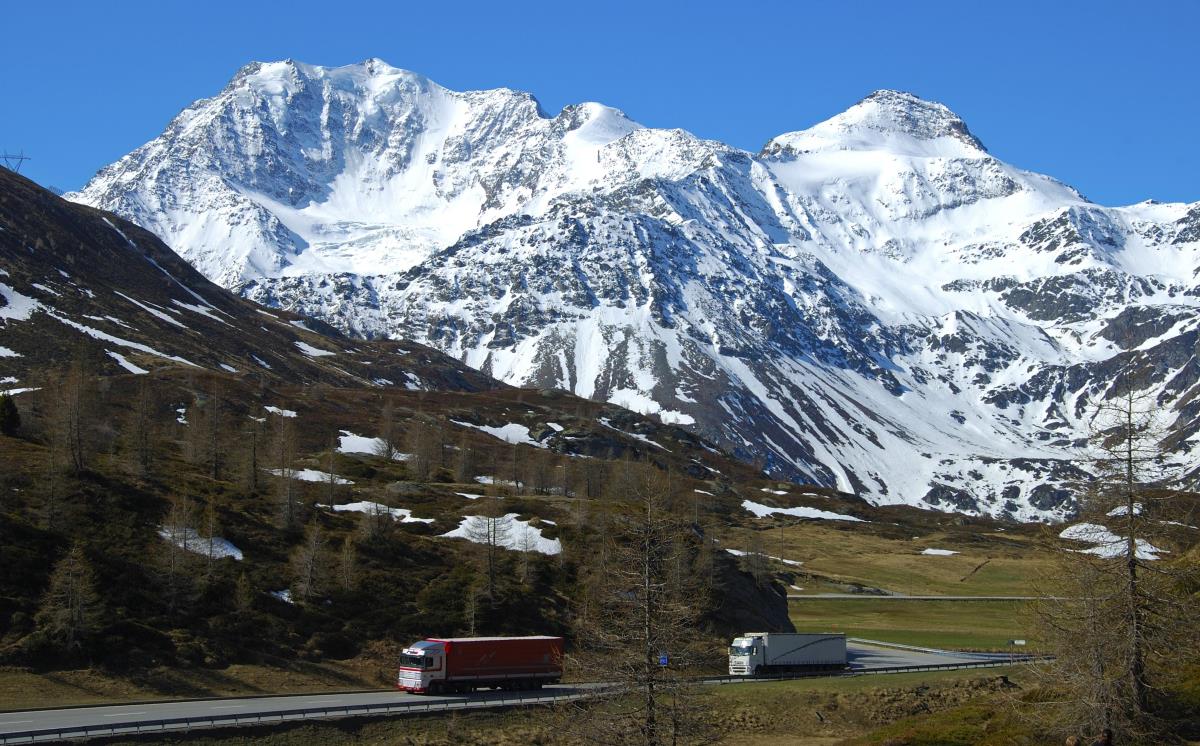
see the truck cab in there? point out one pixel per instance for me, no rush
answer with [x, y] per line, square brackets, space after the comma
[746, 655]
[422, 667]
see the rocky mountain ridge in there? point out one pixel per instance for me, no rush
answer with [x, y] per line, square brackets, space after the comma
[875, 303]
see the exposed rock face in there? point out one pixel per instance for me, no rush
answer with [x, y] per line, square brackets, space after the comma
[875, 303]
[73, 279]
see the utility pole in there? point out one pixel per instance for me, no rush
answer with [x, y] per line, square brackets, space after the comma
[13, 161]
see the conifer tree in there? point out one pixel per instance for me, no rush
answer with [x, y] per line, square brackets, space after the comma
[71, 609]
[308, 566]
[1121, 616]
[10, 418]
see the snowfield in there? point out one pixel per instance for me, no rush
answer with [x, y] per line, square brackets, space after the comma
[762, 511]
[350, 443]
[874, 303]
[1107, 544]
[740, 553]
[309, 475]
[521, 536]
[190, 540]
[511, 433]
[404, 515]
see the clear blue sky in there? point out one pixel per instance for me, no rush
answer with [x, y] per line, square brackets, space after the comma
[1104, 96]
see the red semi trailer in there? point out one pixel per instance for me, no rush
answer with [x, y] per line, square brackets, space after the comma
[464, 664]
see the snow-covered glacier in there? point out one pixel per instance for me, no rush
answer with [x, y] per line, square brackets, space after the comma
[875, 303]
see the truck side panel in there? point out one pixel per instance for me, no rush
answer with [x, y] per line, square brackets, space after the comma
[805, 650]
[539, 657]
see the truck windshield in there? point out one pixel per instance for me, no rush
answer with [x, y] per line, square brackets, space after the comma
[741, 649]
[413, 661]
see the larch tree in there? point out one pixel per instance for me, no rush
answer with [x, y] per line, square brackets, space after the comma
[309, 564]
[283, 454]
[640, 634]
[210, 528]
[388, 443]
[492, 531]
[251, 457]
[466, 462]
[73, 407]
[348, 565]
[1119, 609]
[71, 609]
[141, 428]
[180, 548]
[331, 479]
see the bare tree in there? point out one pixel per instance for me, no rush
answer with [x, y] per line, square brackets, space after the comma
[284, 455]
[52, 505]
[755, 561]
[70, 420]
[492, 531]
[466, 463]
[244, 595]
[209, 533]
[178, 552]
[331, 478]
[141, 429]
[516, 468]
[1117, 611]
[540, 473]
[471, 610]
[526, 545]
[253, 438]
[308, 566]
[214, 432]
[348, 565]
[640, 633]
[71, 608]
[389, 436]
[375, 522]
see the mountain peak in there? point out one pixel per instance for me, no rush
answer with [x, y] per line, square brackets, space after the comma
[908, 113]
[896, 121]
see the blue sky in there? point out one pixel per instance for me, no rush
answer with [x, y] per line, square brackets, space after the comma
[1100, 95]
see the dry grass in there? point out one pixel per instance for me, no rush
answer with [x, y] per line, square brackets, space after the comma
[20, 689]
[956, 625]
[999, 563]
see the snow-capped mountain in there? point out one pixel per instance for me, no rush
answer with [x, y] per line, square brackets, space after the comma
[875, 303]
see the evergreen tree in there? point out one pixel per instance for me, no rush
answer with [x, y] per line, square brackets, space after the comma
[10, 418]
[71, 608]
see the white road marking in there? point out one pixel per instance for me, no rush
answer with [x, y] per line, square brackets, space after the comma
[227, 707]
[14, 722]
[123, 714]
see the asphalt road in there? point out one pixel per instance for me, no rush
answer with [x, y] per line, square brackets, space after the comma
[242, 711]
[899, 597]
[863, 657]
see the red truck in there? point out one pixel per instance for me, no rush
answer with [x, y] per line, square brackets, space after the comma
[464, 664]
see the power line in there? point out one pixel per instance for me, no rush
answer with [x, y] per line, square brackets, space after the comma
[13, 161]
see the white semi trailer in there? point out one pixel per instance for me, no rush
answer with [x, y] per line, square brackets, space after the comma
[758, 653]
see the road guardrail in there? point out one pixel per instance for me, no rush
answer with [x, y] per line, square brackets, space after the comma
[408, 707]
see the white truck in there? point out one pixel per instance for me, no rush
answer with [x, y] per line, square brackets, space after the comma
[760, 653]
